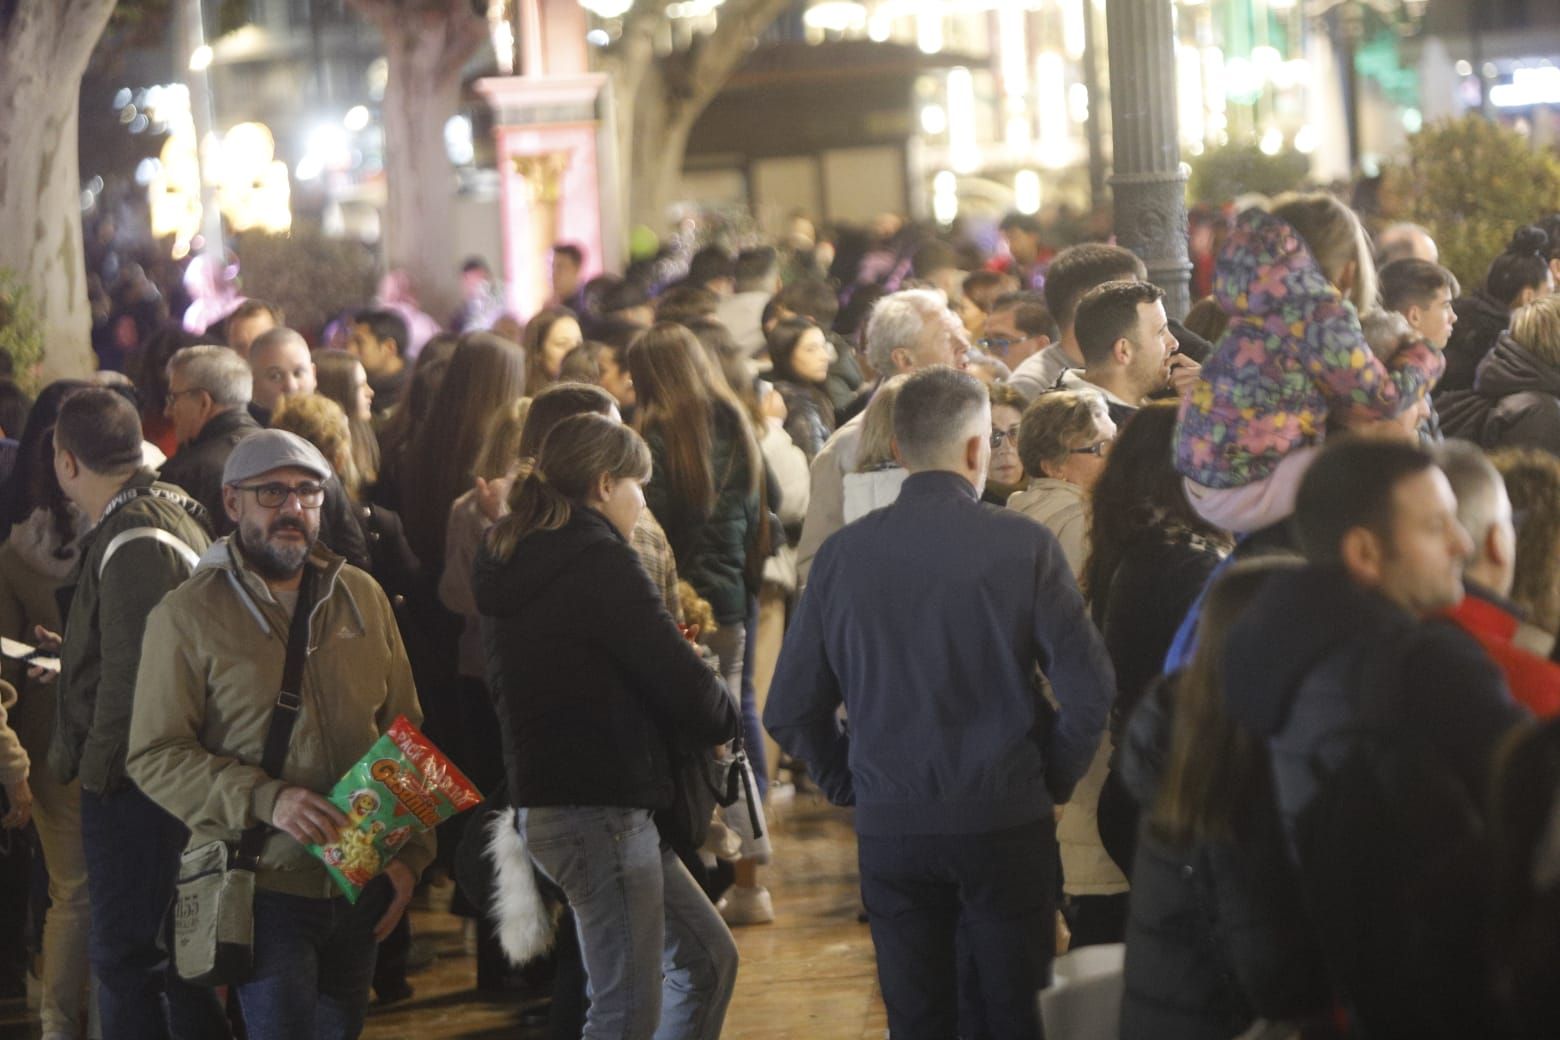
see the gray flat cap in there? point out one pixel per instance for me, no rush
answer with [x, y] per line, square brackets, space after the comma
[272, 449]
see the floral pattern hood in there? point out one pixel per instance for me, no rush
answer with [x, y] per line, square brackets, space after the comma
[1292, 357]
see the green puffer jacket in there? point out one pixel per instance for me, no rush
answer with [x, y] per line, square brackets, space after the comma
[711, 549]
[215, 649]
[105, 620]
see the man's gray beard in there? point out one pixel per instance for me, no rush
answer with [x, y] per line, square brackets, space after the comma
[271, 562]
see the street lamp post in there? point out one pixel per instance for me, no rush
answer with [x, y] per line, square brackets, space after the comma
[1148, 183]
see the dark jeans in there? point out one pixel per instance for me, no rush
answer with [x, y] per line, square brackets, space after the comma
[16, 869]
[996, 892]
[132, 850]
[314, 960]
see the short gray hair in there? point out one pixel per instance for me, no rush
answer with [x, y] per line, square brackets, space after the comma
[934, 413]
[1055, 423]
[902, 320]
[217, 370]
[1476, 483]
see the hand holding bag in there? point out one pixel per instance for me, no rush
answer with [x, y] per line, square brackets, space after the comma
[214, 908]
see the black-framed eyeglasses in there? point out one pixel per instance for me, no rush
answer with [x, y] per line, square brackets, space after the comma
[274, 496]
[1098, 448]
[1000, 437]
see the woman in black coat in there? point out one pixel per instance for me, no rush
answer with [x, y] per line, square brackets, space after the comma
[1515, 278]
[1149, 557]
[801, 357]
[593, 682]
[1217, 935]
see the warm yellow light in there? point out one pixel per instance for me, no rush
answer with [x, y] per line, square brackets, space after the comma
[961, 120]
[1026, 191]
[200, 59]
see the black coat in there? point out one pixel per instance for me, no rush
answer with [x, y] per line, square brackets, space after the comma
[1304, 663]
[1480, 321]
[1217, 934]
[197, 465]
[341, 527]
[1156, 582]
[809, 416]
[711, 550]
[1515, 402]
[590, 675]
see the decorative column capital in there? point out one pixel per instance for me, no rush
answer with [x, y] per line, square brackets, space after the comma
[543, 175]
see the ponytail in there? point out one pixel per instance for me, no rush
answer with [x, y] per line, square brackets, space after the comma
[1523, 265]
[575, 454]
[534, 505]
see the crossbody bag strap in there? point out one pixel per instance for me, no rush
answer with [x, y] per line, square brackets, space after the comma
[289, 702]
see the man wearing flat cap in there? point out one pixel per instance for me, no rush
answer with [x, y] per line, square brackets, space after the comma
[210, 678]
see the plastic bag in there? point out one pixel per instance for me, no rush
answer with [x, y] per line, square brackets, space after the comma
[402, 786]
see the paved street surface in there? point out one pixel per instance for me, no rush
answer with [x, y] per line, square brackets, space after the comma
[810, 974]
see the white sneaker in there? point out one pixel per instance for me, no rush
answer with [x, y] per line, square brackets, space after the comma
[746, 906]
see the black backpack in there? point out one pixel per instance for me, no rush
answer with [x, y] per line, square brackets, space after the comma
[1392, 854]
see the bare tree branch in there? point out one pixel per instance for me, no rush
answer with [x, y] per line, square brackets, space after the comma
[711, 64]
[464, 33]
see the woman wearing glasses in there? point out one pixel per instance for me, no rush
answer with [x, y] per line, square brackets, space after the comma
[1063, 440]
[1006, 473]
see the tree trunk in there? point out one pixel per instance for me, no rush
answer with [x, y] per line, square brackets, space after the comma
[427, 44]
[420, 97]
[46, 45]
[659, 144]
[659, 99]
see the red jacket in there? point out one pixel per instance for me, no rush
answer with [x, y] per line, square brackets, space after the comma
[1534, 681]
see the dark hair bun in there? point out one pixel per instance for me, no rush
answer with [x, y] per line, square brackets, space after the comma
[1529, 239]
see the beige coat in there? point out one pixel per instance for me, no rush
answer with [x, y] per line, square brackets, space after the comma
[1063, 508]
[211, 666]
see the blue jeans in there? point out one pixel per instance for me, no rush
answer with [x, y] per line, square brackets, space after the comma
[659, 960]
[132, 849]
[314, 961]
[990, 895]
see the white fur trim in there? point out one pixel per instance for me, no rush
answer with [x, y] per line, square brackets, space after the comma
[526, 923]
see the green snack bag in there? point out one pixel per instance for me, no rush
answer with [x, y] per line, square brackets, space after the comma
[401, 787]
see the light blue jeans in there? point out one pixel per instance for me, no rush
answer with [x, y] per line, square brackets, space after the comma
[659, 960]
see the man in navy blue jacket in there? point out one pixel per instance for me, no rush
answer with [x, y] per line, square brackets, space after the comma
[930, 621]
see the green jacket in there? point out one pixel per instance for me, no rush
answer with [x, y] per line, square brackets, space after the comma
[711, 549]
[208, 682]
[104, 623]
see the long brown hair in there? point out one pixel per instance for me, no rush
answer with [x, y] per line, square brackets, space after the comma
[411, 411]
[680, 400]
[534, 339]
[336, 374]
[578, 452]
[486, 373]
[1138, 493]
[1215, 766]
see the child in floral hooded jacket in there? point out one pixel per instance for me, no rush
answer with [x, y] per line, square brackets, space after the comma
[1292, 360]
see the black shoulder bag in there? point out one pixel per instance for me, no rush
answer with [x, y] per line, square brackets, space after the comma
[214, 909]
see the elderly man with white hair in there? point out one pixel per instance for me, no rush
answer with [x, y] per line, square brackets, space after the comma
[908, 331]
[928, 621]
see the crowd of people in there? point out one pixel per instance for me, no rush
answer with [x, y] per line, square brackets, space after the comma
[1231, 638]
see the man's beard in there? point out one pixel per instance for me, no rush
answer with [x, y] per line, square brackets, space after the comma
[273, 562]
